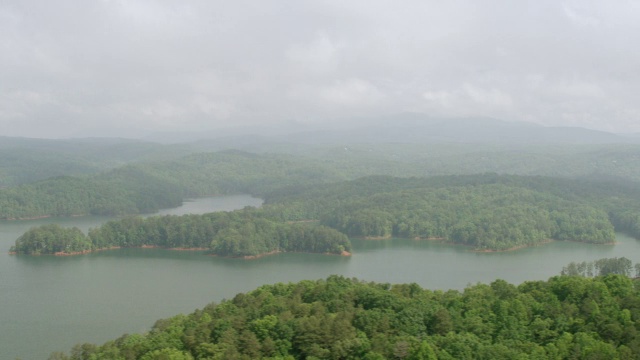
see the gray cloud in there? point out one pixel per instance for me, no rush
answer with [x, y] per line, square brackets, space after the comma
[116, 67]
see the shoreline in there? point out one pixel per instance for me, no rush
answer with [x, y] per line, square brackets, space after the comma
[274, 252]
[387, 237]
[244, 257]
[28, 218]
[477, 250]
[519, 247]
[44, 217]
[546, 241]
[62, 253]
[258, 256]
[591, 243]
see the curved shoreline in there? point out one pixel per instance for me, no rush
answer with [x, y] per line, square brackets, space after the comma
[27, 218]
[274, 252]
[245, 257]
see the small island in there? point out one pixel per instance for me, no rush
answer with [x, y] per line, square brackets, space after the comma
[52, 239]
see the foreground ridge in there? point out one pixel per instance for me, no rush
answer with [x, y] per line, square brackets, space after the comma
[341, 318]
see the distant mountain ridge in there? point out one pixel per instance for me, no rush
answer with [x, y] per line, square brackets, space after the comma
[406, 128]
[415, 129]
[24, 160]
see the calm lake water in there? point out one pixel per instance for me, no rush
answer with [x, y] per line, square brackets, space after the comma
[50, 303]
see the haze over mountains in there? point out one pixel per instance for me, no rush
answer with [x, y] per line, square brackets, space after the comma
[403, 128]
[464, 144]
[399, 128]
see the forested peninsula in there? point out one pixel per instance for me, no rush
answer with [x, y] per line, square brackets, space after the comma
[486, 212]
[244, 233]
[566, 317]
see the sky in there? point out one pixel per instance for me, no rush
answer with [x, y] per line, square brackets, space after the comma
[124, 68]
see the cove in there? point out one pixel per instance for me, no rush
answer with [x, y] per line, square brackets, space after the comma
[52, 303]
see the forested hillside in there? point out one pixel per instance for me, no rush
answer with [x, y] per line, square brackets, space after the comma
[157, 176]
[145, 188]
[452, 158]
[24, 160]
[566, 317]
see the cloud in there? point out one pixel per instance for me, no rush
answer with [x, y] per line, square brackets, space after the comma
[320, 56]
[467, 100]
[108, 66]
[487, 97]
[580, 18]
[440, 98]
[351, 92]
[579, 89]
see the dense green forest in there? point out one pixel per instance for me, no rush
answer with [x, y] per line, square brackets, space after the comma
[145, 188]
[553, 160]
[486, 212]
[242, 233]
[495, 217]
[566, 317]
[52, 239]
[114, 177]
[318, 195]
[24, 160]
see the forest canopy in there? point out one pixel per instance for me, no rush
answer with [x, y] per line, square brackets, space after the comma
[146, 183]
[242, 233]
[495, 217]
[148, 187]
[338, 318]
[487, 212]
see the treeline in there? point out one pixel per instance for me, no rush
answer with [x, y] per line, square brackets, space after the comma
[148, 187]
[602, 267]
[241, 233]
[562, 318]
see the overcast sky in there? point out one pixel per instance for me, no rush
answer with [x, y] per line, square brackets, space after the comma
[123, 67]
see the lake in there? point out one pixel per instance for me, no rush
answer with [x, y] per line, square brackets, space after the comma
[51, 303]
